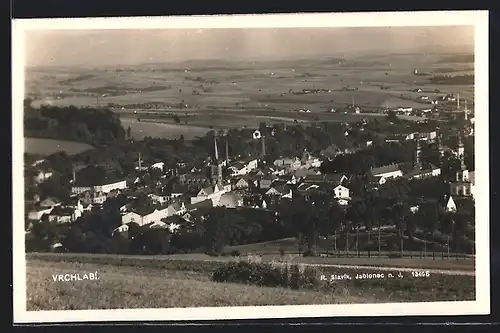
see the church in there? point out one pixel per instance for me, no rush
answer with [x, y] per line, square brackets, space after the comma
[464, 183]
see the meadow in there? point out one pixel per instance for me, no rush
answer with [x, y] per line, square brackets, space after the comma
[44, 146]
[153, 283]
[238, 94]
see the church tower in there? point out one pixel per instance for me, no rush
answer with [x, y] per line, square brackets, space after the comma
[417, 155]
[216, 166]
[440, 144]
[461, 153]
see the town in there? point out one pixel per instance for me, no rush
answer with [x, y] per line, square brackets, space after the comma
[370, 186]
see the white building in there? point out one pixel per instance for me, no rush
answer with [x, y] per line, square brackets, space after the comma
[386, 172]
[212, 192]
[37, 215]
[341, 192]
[42, 176]
[106, 188]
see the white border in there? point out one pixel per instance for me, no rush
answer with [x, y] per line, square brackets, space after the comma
[479, 19]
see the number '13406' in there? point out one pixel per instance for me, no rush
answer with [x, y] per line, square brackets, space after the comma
[420, 274]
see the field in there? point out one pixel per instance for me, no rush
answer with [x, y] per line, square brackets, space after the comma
[236, 94]
[143, 282]
[49, 146]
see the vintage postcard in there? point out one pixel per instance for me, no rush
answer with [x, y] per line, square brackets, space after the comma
[251, 166]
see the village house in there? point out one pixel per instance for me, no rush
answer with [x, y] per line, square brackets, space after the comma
[420, 172]
[37, 214]
[381, 174]
[147, 215]
[288, 163]
[64, 214]
[240, 183]
[304, 173]
[49, 203]
[341, 192]
[325, 179]
[122, 228]
[230, 200]
[158, 165]
[118, 185]
[455, 203]
[193, 179]
[42, 175]
[211, 192]
[238, 169]
[280, 190]
[160, 198]
[201, 205]
[265, 183]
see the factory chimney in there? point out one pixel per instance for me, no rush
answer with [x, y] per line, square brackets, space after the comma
[263, 141]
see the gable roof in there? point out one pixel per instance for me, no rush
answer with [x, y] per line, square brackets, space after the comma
[385, 169]
[336, 178]
[206, 191]
[465, 203]
[199, 205]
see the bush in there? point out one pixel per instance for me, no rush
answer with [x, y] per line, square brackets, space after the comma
[293, 276]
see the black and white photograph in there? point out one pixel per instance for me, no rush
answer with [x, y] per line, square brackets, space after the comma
[250, 166]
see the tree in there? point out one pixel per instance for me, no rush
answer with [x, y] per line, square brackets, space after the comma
[392, 116]
[428, 216]
[400, 213]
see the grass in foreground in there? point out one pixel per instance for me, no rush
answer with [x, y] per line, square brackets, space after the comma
[122, 287]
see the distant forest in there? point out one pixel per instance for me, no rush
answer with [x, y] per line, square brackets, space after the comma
[462, 58]
[448, 79]
[95, 126]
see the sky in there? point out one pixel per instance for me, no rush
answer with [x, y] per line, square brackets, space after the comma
[127, 47]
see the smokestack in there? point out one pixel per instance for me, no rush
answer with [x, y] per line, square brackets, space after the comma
[465, 109]
[458, 101]
[216, 151]
[227, 152]
[140, 162]
[417, 156]
[263, 141]
[74, 175]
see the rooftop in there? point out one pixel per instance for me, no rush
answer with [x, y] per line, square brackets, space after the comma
[385, 169]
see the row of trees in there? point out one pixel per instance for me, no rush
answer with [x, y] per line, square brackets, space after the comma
[317, 215]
